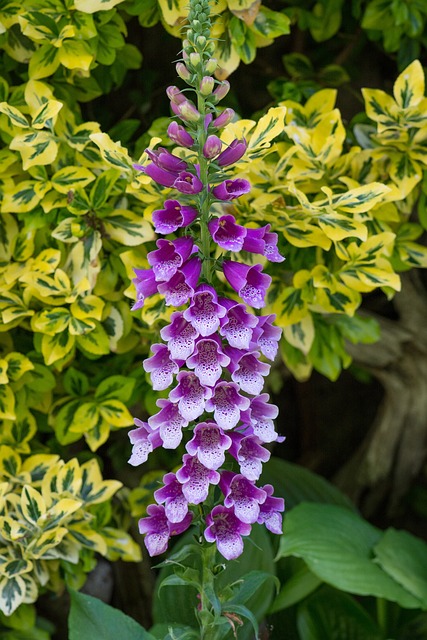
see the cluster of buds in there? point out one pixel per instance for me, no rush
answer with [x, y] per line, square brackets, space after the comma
[214, 348]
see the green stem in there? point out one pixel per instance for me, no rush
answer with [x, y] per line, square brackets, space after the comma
[207, 629]
[204, 204]
[382, 614]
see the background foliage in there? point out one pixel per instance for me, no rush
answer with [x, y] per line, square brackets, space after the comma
[344, 186]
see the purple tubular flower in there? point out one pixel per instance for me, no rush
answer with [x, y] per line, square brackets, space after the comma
[212, 147]
[250, 455]
[248, 372]
[270, 511]
[267, 336]
[227, 403]
[176, 505]
[231, 189]
[271, 251]
[209, 444]
[195, 479]
[145, 285]
[144, 440]
[224, 118]
[159, 529]
[159, 175]
[170, 256]
[175, 95]
[187, 182]
[249, 282]
[180, 336]
[262, 241]
[174, 216]
[242, 495]
[160, 367]
[208, 361]
[260, 416]
[205, 312]
[169, 422]
[221, 91]
[233, 153]
[225, 528]
[178, 134]
[190, 395]
[226, 233]
[254, 241]
[181, 286]
[166, 160]
[238, 326]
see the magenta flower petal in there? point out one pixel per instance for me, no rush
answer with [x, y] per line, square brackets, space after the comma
[212, 147]
[170, 422]
[227, 404]
[242, 495]
[260, 416]
[144, 440]
[196, 479]
[238, 327]
[208, 361]
[170, 256]
[271, 511]
[176, 505]
[158, 529]
[174, 216]
[145, 285]
[226, 233]
[224, 528]
[187, 182]
[250, 455]
[249, 282]
[190, 395]
[160, 366]
[209, 445]
[159, 175]
[267, 336]
[166, 160]
[233, 153]
[249, 373]
[231, 189]
[180, 336]
[181, 286]
[204, 312]
[179, 135]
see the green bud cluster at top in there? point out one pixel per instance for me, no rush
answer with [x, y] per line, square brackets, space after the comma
[198, 49]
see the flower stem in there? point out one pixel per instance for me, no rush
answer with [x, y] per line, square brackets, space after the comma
[208, 629]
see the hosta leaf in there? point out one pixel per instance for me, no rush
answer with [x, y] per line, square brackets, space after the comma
[86, 417]
[57, 346]
[8, 233]
[60, 513]
[120, 545]
[408, 90]
[63, 421]
[46, 542]
[115, 387]
[51, 321]
[102, 188]
[289, 306]
[98, 435]
[71, 177]
[16, 567]
[10, 462]
[38, 465]
[128, 228]
[300, 334]
[268, 127]
[115, 413]
[75, 382]
[69, 478]
[42, 379]
[93, 6]
[17, 365]
[18, 432]
[24, 197]
[270, 24]
[47, 261]
[33, 506]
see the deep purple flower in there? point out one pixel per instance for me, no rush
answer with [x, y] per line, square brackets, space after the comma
[159, 529]
[169, 422]
[264, 242]
[242, 495]
[208, 360]
[159, 175]
[270, 511]
[196, 479]
[227, 233]
[233, 153]
[260, 416]
[174, 216]
[176, 505]
[250, 455]
[238, 326]
[205, 312]
[144, 440]
[254, 240]
[227, 403]
[170, 256]
[231, 189]
[190, 395]
[249, 282]
[224, 528]
[160, 367]
[212, 147]
[180, 336]
[181, 286]
[163, 159]
[145, 285]
[271, 251]
[248, 372]
[187, 182]
[224, 118]
[209, 444]
[179, 135]
[267, 336]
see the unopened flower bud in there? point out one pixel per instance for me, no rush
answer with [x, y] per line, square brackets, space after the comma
[188, 112]
[179, 135]
[211, 65]
[224, 118]
[195, 59]
[206, 85]
[212, 147]
[221, 91]
[201, 41]
[182, 71]
[175, 95]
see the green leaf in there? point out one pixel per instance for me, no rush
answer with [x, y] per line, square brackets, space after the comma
[295, 589]
[102, 188]
[337, 546]
[91, 618]
[117, 387]
[75, 382]
[404, 558]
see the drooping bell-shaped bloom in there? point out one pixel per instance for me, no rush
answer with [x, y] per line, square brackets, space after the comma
[249, 282]
[175, 95]
[242, 495]
[205, 312]
[249, 371]
[224, 118]
[181, 286]
[264, 242]
[196, 479]
[174, 216]
[159, 175]
[227, 404]
[227, 233]
[165, 160]
[270, 513]
[171, 495]
[187, 182]
[208, 361]
[160, 367]
[169, 422]
[238, 326]
[158, 529]
[250, 454]
[178, 134]
[170, 256]
[209, 444]
[254, 241]
[267, 336]
[145, 285]
[233, 153]
[180, 336]
[144, 440]
[212, 147]
[271, 251]
[190, 395]
[225, 528]
[231, 189]
[221, 91]
[260, 416]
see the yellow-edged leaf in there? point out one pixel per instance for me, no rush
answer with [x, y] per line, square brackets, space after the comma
[48, 111]
[57, 346]
[15, 116]
[35, 148]
[76, 54]
[128, 228]
[300, 334]
[408, 90]
[71, 177]
[33, 506]
[115, 413]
